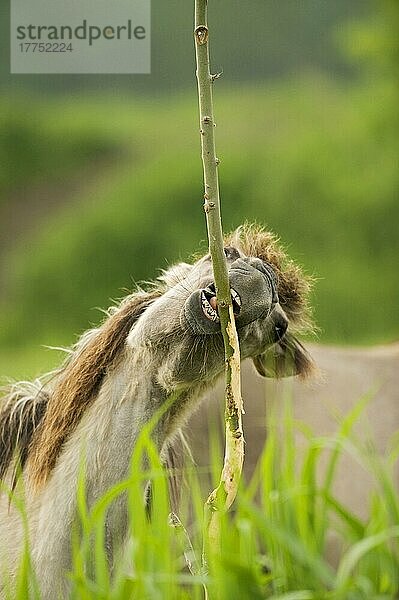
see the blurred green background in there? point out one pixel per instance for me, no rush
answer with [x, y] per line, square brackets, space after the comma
[101, 180]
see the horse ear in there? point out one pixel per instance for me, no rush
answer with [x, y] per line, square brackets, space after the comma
[286, 358]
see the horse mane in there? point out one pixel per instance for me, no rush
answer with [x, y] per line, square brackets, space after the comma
[35, 425]
[293, 285]
[22, 411]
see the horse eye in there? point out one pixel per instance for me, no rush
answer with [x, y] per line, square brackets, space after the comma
[231, 252]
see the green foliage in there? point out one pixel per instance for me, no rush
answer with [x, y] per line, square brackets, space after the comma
[270, 39]
[374, 42]
[313, 161]
[29, 149]
[273, 547]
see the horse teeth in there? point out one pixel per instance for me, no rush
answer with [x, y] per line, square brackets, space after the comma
[236, 297]
[207, 309]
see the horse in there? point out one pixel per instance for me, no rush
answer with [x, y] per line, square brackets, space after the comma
[156, 344]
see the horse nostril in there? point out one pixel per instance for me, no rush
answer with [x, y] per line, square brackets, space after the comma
[280, 327]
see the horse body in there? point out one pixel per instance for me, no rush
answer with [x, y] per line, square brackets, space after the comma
[155, 345]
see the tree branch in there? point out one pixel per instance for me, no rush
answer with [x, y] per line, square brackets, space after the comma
[223, 496]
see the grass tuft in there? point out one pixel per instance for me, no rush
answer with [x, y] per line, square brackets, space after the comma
[273, 544]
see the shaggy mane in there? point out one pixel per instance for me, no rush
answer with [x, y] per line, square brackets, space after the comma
[23, 409]
[35, 422]
[79, 382]
[293, 285]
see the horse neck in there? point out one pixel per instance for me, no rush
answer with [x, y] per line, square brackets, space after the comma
[126, 402]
